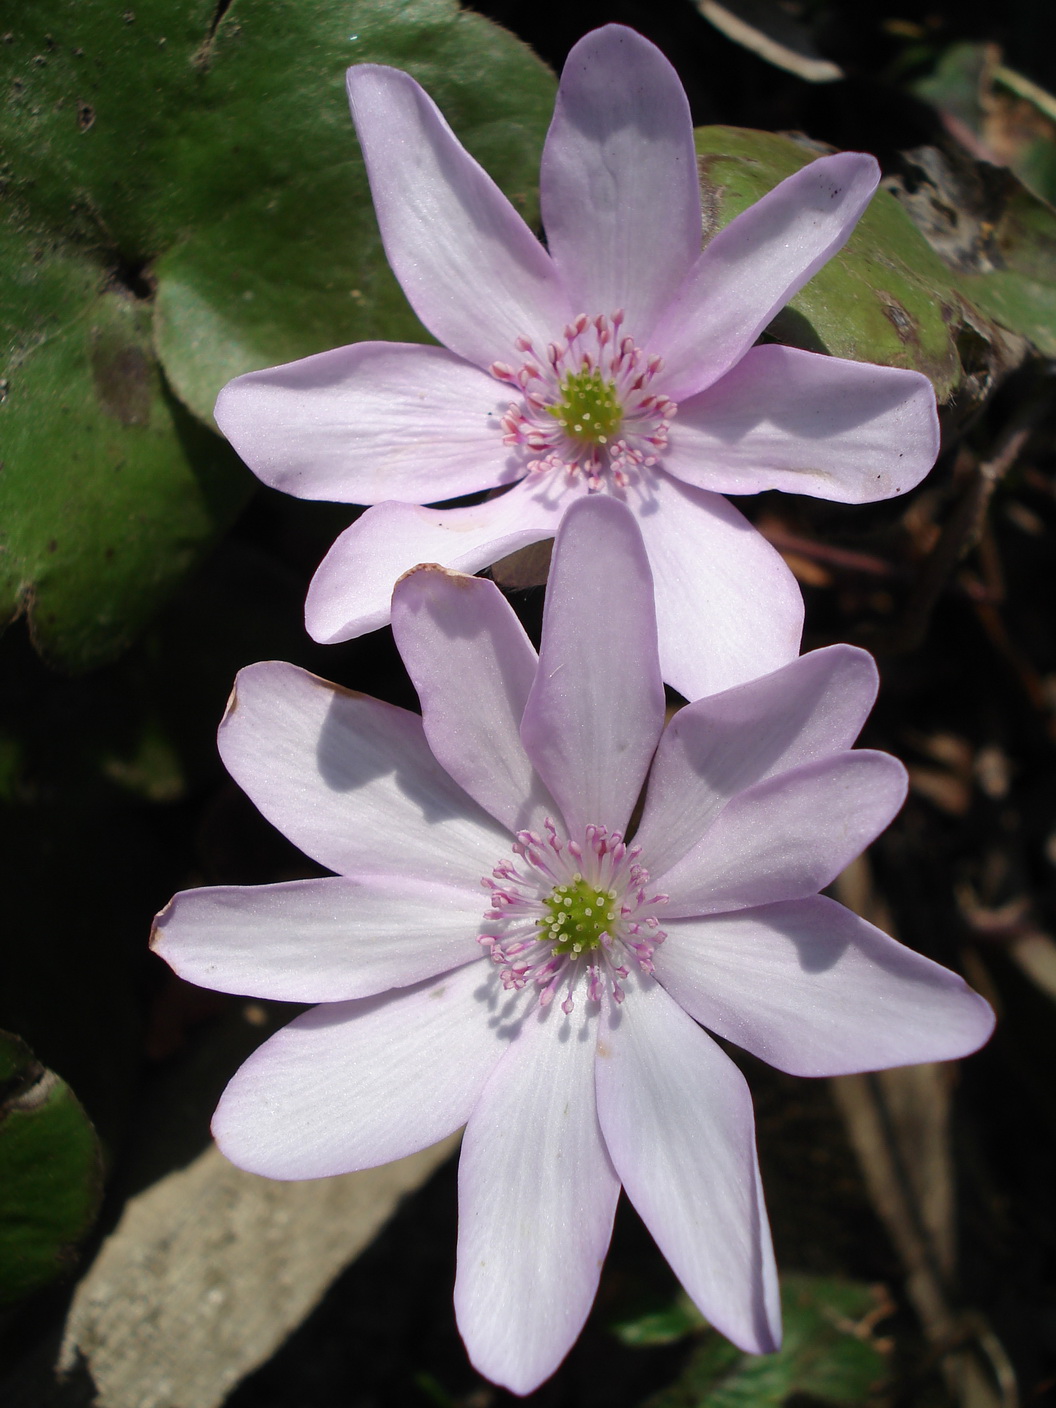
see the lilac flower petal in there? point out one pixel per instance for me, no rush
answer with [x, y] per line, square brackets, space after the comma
[677, 1119]
[596, 709]
[787, 837]
[473, 666]
[351, 592]
[718, 746]
[753, 267]
[537, 1195]
[785, 419]
[469, 265]
[352, 782]
[619, 188]
[319, 940]
[351, 1085]
[727, 607]
[816, 991]
[374, 421]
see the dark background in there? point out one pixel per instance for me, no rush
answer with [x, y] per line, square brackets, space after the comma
[966, 643]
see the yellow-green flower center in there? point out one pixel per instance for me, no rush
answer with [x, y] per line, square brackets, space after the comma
[588, 410]
[579, 913]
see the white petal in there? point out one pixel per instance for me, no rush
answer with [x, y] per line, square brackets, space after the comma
[352, 782]
[596, 708]
[351, 1085]
[677, 1119]
[753, 267]
[816, 991]
[619, 188]
[374, 421]
[352, 590]
[537, 1195]
[319, 940]
[787, 837]
[727, 607]
[786, 419]
[473, 667]
[469, 265]
[718, 746]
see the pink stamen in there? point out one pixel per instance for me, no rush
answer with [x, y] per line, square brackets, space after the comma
[524, 950]
[589, 344]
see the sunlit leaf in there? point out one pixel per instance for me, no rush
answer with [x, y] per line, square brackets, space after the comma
[184, 199]
[291, 262]
[110, 491]
[886, 297]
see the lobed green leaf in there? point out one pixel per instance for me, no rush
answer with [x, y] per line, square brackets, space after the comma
[184, 200]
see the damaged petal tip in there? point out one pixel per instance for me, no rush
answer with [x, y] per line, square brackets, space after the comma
[460, 578]
[157, 928]
[230, 706]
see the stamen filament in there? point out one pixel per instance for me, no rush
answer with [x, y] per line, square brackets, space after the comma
[572, 913]
[593, 411]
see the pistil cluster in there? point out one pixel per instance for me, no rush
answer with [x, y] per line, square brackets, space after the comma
[587, 405]
[568, 912]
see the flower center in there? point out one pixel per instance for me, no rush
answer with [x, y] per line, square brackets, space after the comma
[588, 410]
[579, 914]
[587, 405]
[566, 915]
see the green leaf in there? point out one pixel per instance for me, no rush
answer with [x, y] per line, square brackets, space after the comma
[291, 262]
[996, 239]
[663, 1325]
[995, 103]
[1018, 290]
[886, 297]
[50, 1173]
[997, 234]
[110, 491]
[184, 200]
[227, 156]
[828, 1354]
[956, 83]
[96, 92]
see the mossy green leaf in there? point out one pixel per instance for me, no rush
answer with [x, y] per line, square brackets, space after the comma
[184, 199]
[886, 297]
[50, 1173]
[291, 262]
[109, 490]
[96, 93]
[219, 157]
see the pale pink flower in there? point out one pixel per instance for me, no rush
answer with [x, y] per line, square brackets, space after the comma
[493, 952]
[622, 319]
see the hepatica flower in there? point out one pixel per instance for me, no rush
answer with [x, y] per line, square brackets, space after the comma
[618, 359]
[500, 948]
